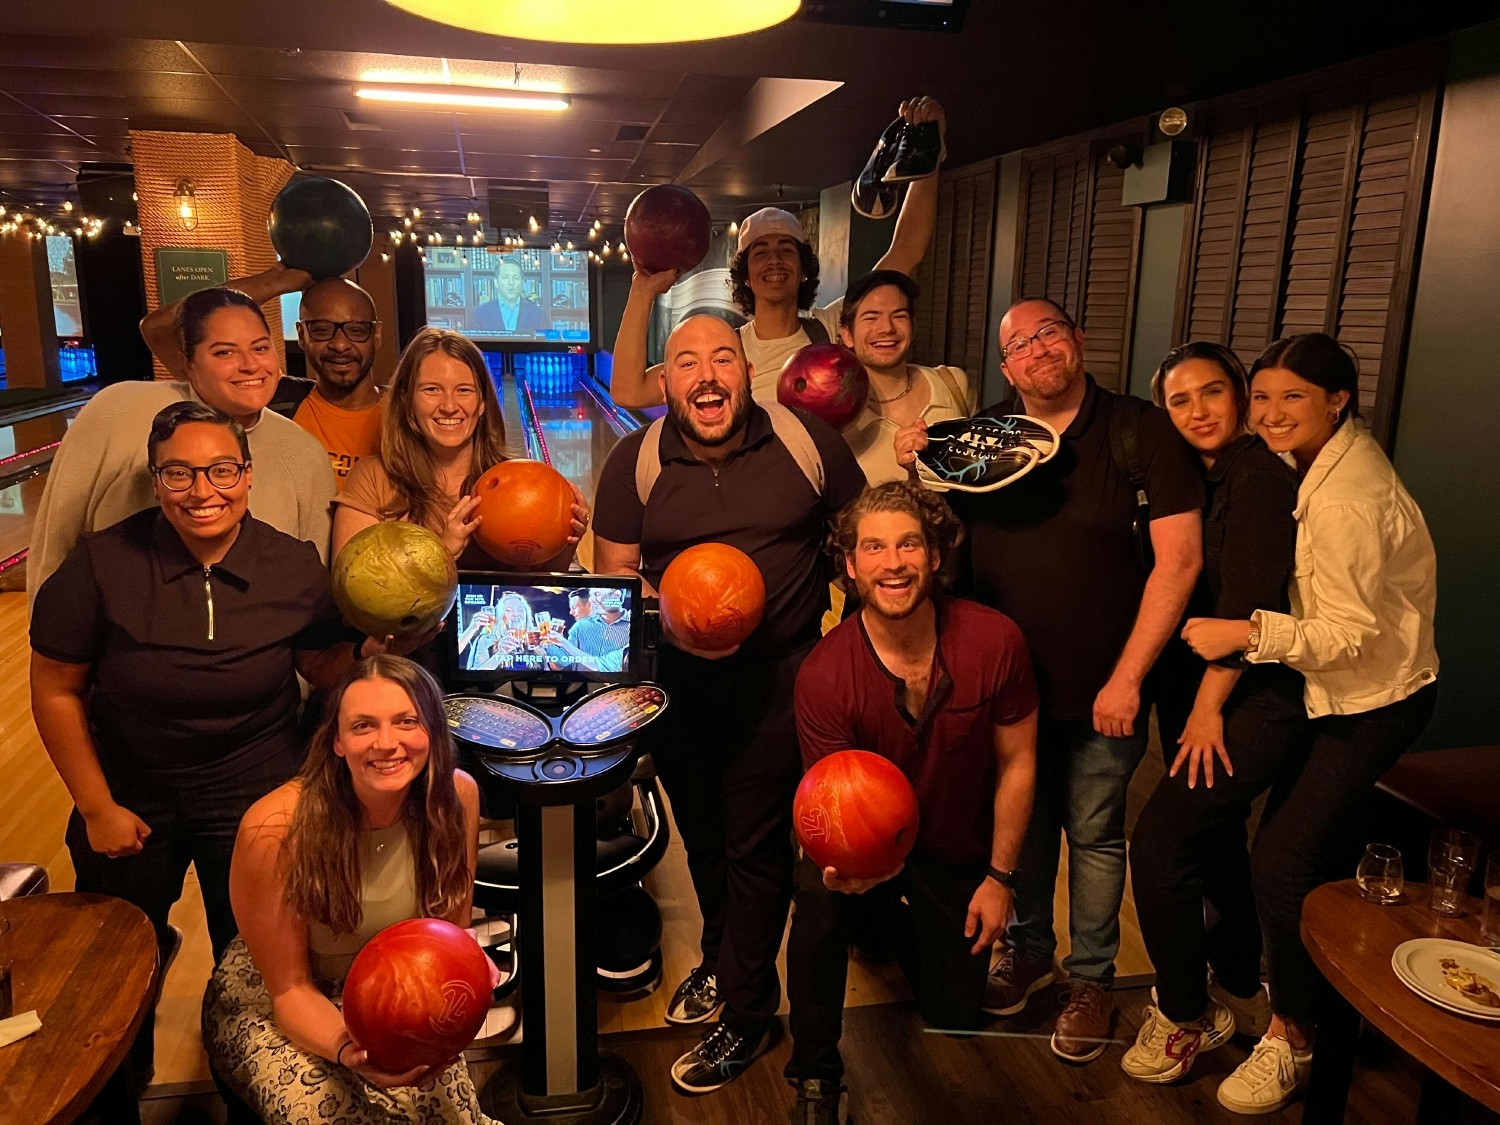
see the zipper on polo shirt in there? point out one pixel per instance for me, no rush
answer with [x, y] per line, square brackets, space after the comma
[208, 593]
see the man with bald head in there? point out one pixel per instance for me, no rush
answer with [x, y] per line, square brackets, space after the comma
[340, 335]
[1062, 553]
[723, 468]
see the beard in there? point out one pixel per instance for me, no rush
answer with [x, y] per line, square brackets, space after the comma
[871, 597]
[681, 411]
[878, 362]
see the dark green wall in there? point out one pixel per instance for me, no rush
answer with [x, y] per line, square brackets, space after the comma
[1448, 431]
[1156, 295]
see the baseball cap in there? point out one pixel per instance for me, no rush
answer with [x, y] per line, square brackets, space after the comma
[768, 221]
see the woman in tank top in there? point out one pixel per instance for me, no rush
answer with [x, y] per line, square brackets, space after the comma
[442, 431]
[378, 827]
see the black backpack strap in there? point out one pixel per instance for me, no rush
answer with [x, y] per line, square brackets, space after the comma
[1124, 447]
[817, 331]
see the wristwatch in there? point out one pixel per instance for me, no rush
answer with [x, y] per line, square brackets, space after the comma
[1004, 878]
[1252, 642]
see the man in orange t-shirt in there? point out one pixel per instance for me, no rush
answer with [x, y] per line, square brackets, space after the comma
[340, 336]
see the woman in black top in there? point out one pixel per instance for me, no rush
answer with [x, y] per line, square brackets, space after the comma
[1230, 732]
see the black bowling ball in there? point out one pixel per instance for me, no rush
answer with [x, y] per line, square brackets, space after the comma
[321, 226]
[629, 930]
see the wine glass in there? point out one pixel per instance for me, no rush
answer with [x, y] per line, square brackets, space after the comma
[1451, 859]
[1379, 876]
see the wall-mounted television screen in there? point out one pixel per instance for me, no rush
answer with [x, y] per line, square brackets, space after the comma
[533, 295]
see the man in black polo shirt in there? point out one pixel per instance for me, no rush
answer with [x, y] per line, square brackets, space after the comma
[727, 748]
[1056, 552]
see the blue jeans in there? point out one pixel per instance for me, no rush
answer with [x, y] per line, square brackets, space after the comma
[1082, 777]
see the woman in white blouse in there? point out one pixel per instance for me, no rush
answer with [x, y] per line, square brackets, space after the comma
[1363, 596]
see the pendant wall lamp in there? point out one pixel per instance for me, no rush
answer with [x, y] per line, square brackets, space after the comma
[443, 96]
[607, 22]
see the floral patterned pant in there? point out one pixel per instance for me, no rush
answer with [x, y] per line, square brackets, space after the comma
[286, 1085]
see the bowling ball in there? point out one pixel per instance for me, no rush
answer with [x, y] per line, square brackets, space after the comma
[394, 578]
[712, 596]
[826, 380]
[628, 930]
[855, 811]
[321, 226]
[417, 994]
[527, 512]
[667, 228]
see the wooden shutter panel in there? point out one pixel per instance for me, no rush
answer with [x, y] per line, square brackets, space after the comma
[955, 276]
[1114, 238]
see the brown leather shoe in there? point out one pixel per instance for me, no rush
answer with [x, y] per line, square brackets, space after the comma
[1012, 981]
[1083, 1027]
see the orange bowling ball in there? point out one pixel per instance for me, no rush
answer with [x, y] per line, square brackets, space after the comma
[712, 597]
[526, 511]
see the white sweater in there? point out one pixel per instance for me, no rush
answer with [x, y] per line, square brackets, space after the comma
[1364, 586]
[99, 475]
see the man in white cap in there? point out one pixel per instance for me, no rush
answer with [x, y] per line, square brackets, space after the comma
[774, 276]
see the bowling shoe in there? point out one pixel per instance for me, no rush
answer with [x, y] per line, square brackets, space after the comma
[719, 1059]
[872, 198]
[696, 999]
[919, 151]
[819, 1102]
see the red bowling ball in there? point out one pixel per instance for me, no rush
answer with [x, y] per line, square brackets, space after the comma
[856, 812]
[417, 994]
[826, 380]
[667, 228]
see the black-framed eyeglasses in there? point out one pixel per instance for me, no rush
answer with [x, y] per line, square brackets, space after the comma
[179, 478]
[1049, 334]
[355, 331]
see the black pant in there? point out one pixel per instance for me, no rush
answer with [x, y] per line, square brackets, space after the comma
[1307, 834]
[925, 909]
[727, 755]
[1189, 846]
[191, 822]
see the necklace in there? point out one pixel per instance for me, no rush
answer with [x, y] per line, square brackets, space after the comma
[894, 398]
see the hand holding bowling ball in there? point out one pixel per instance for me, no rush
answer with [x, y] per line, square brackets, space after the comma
[712, 598]
[459, 524]
[856, 812]
[826, 380]
[417, 994]
[667, 227]
[651, 285]
[321, 226]
[394, 579]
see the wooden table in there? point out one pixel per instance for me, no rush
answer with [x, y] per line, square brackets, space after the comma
[86, 964]
[1351, 941]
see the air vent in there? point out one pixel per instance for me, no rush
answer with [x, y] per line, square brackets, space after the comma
[361, 122]
[632, 132]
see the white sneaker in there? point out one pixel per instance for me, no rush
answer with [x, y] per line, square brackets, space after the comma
[1164, 1051]
[1270, 1078]
[1252, 1014]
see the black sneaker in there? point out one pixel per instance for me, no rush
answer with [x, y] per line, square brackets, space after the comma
[919, 152]
[819, 1102]
[696, 999]
[718, 1060]
[871, 197]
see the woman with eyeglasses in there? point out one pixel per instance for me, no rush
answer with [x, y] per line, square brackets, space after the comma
[1359, 629]
[165, 654]
[442, 431]
[1230, 732]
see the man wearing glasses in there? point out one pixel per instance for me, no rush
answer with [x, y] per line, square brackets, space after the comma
[1057, 552]
[340, 336]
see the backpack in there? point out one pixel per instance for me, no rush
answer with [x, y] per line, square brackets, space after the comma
[1124, 447]
[787, 426]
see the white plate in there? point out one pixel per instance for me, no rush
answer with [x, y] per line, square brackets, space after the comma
[1416, 964]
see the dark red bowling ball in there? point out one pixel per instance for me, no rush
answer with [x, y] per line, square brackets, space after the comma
[667, 228]
[826, 380]
[417, 994]
[856, 812]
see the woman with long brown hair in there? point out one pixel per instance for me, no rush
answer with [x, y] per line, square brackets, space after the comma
[377, 827]
[443, 430]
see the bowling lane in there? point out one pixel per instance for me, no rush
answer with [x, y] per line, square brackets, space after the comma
[26, 450]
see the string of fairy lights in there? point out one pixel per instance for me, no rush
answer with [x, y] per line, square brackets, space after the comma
[36, 222]
[420, 231]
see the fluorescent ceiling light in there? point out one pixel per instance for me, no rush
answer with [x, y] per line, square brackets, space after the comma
[461, 97]
[605, 21]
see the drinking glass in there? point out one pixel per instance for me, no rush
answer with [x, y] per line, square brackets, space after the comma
[1489, 918]
[1379, 876]
[5, 956]
[1450, 864]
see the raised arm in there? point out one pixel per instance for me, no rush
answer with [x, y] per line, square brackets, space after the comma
[159, 326]
[631, 383]
[918, 215]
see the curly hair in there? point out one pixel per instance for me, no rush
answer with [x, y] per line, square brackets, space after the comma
[739, 279]
[941, 529]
